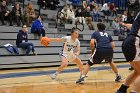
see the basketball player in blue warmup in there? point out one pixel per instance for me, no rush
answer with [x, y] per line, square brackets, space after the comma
[131, 50]
[104, 50]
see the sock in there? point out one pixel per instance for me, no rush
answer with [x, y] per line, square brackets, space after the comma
[116, 74]
[132, 91]
[83, 75]
[123, 88]
[56, 73]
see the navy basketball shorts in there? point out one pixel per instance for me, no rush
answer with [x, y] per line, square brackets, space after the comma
[131, 48]
[100, 55]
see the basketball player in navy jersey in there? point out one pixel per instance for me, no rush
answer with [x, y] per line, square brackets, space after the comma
[131, 50]
[104, 50]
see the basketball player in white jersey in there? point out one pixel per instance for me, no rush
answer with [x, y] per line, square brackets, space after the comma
[131, 50]
[70, 51]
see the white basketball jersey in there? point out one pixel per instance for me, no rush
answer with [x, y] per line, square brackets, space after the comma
[69, 44]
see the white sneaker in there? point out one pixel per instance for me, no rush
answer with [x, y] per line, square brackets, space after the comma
[53, 76]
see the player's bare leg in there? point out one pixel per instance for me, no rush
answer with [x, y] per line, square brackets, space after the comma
[115, 70]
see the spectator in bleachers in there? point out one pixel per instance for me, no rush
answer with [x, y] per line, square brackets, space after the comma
[92, 6]
[5, 13]
[55, 3]
[48, 2]
[105, 9]
[122, 30]
[71, 15]
[42, 3]
[29, 14]
[80, 16]
[63, 15]
[95, 2]
[22, 41]
[17, 14]
[113, 9]
[10, 2]
[124, 16]
[75, 3]
[37, 27]
[84, 4]
[52, 4]
[116, 26]
[88, 18]
[95, 14]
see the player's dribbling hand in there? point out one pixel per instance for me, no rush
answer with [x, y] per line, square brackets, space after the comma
[45, 41]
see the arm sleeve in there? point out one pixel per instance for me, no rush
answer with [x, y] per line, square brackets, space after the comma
[26, 38]
[19, 37]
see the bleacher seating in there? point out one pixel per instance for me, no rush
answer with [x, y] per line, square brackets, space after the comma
[47, 56]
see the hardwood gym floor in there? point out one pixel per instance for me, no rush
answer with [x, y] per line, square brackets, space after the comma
[37, 80]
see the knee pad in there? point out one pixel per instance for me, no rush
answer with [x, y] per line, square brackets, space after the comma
[30, 47]
[90, 63]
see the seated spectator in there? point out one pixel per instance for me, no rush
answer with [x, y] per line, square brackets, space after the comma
[17, 14]
[122, 28]
[52, 4]
[124, 16]
[71, 14]
[88, 18]
[22, 41]
[48, 2]
[105, 9]
[116, 26]
[5, 13]
[75, 3]
[95, 14]
[92, 6]
[84, 4]
[29, 14]
[10, 2]
[63, 15]
[113, 9]
[42, 4]
[95, 2]
[37, 27]
[79, 16]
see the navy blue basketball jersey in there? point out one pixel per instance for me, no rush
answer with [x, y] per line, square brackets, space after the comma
[103, 40]
[136, 26]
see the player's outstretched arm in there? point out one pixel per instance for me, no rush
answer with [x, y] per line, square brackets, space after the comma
[56, 39]
[127, 25]
[46, 40]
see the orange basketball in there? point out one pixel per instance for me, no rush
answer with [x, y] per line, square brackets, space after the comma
[45, 41]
